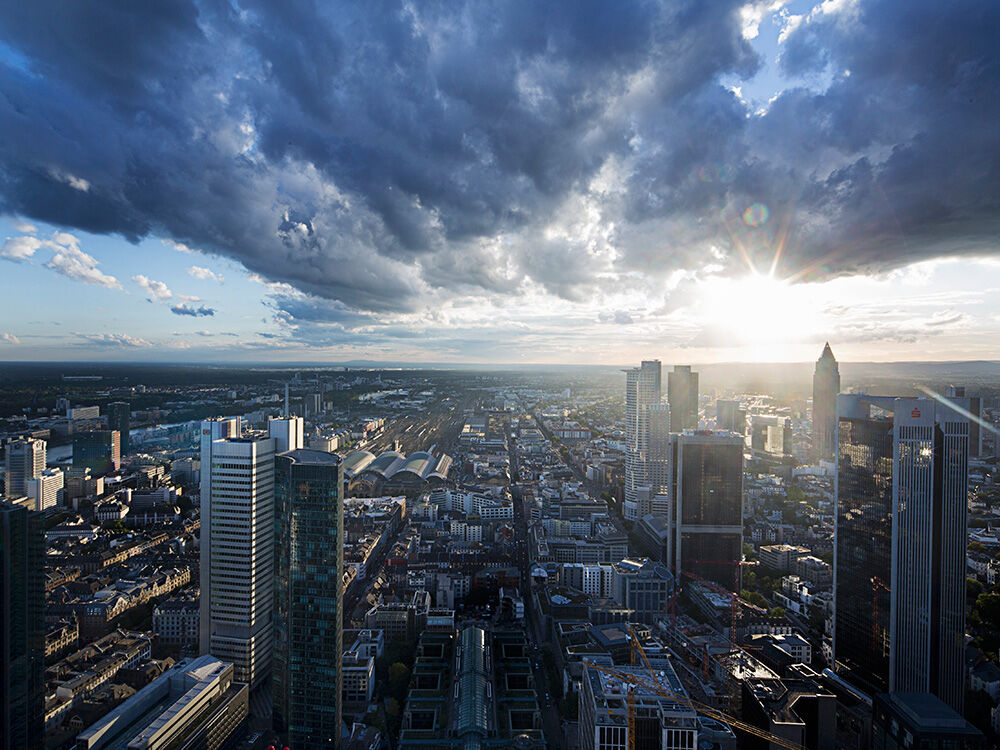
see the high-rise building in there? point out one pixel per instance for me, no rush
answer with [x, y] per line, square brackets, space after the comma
[658, 449]
[45, 489]
[307, 679]
[119, 418]
[642, 389]
[730, 416]
[975, 418]
[920, 720]
[826, 386]
[240, 550]
[287, 433]
[899, 561]
[25, 460]
[221, 428]
[22, 639]
[682, 394]
[99, 450]
[707, 523]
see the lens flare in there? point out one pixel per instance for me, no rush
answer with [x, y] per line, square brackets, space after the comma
[756, 215]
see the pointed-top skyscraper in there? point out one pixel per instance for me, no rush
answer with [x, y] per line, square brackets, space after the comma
[826, 386]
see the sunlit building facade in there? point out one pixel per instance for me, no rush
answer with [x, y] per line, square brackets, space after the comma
[899, 564]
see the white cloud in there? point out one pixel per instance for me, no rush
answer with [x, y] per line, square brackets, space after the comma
[70, 261]
[20, 248]
[156, 290]
[114, 339]
[9, 338]
[24, 227]
[205, 274]
[77, 183]
[179, 246]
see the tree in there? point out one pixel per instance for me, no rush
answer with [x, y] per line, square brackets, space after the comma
[988, 607]
[777, 613]
[973, 589]
[753, 597]
[795, 495]
[399, 679]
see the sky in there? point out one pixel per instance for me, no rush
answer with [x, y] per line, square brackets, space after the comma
[520, 182]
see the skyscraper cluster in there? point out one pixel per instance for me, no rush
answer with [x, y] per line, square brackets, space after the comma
[272, 565]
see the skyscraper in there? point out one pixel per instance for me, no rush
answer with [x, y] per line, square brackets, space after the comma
[308, 598]
[22, 637]
[211, 431]
[642, 389]
[826, 386]
[287, 433]
[25, 460]
[682, 394]
[707, 525]
[730, 416]
[658, 449]
[899, 563]
[119, 418]
[99, 450]
[240, 551]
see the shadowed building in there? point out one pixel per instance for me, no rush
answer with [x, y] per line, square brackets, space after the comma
[22, 637]
[307, 676]
[899, 565]
[826, 386]
[682, 395]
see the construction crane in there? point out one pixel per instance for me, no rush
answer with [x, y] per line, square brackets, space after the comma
[636, 682]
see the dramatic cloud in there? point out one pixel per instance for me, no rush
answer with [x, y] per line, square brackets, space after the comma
[194, 312]
[394, 158]
[205, 274]
[70, 261]
[156, 290]
[9, 338]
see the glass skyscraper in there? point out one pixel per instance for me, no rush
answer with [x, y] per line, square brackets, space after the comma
[308, 598]
[682, 394]
[119, 418]
[707, 526]
[22, 638]
[899, 565]
[642, 390]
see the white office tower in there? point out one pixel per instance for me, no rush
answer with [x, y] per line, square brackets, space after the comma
[642, 390]
[899, 562]
[287, 433]
[212, 430]
[44, 490]
[25, 460]
[241, 555]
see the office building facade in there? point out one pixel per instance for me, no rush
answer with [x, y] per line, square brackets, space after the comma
[119, 415]
[98, 450]
[899, 563]
[241, 555]
[307, 682]
[826, 386]
[682, 395]
[642, 390]
[22, 638]
[25, 460]
[707, 522]
[729, 415]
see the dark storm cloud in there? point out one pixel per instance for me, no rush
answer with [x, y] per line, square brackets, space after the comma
[195, 312]
[384, 156]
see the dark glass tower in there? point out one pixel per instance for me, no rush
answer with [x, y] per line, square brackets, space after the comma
[100, 451]
[682, 395]
[119, 418]
[22, 610]
[899, 564]
[826, 386]
[308, 596]
[707, 528]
